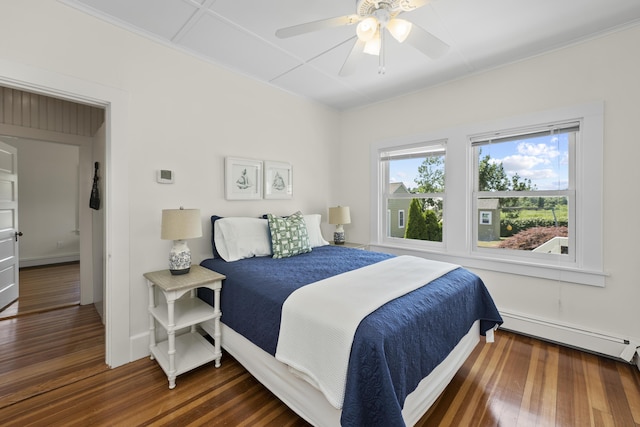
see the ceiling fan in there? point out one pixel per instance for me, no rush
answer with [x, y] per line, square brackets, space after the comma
[373, 17]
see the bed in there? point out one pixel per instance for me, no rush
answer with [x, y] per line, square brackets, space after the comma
[402, 355]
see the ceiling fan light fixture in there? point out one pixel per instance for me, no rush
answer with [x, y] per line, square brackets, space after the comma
[399, 29]
[371, 19]
[367, 29]
[372, 47]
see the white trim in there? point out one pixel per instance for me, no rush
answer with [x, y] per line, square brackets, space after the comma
[115, 101]
[58, 259]
[570, 335]
[140, 345]
[550, 272]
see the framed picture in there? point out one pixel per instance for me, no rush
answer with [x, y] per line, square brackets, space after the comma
[242, 179]
[278, 180]
[485, 217]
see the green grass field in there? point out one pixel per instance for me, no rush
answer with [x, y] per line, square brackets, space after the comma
[562, 213]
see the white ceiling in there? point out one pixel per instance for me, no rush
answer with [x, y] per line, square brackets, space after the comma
[482, 34]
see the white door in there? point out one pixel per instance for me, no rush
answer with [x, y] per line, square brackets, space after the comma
[8, 224]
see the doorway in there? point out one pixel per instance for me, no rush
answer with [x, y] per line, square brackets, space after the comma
[115, 246]
[48, 221]
[58, 142]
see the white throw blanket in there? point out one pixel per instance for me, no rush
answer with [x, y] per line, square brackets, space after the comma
[320, 320]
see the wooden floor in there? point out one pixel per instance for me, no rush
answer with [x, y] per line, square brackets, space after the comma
[44, 352]
[52, 374]
[46, 288]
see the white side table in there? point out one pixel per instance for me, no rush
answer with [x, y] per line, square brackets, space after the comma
[180, 354]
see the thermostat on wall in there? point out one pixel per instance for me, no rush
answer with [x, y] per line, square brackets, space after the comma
[164, 176]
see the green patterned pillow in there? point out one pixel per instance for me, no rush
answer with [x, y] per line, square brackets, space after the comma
[289, 236]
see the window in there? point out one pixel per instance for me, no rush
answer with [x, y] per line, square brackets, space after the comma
[539, 174]
[524, 190]
[414, 183]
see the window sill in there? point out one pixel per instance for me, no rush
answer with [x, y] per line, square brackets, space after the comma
[523, 268]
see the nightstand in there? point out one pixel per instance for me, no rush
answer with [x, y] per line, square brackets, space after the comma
[351, 245]
[179, 354]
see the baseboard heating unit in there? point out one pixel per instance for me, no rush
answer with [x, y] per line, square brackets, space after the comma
[571, 336]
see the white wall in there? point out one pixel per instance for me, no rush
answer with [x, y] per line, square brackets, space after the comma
[605, 69]
[183, 114]
[187, 115]
[47, 202]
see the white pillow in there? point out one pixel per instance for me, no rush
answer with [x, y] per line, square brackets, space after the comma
[239, 237]
[313, 229]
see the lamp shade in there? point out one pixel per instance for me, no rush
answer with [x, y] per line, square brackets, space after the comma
[180, 224]
[373, 46]
[399, 29]
[339, 215]
[367, 29]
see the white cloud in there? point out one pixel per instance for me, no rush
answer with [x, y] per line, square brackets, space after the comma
[544, 151]
[538, 174]
[518, 163]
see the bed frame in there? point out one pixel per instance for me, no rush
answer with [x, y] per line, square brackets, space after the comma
[310, 403]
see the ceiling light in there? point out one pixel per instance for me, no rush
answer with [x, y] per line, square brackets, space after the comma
[367, 29]
[372, 47]
[399, 29]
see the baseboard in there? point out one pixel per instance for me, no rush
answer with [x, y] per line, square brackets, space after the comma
[34, 262]
[139, 346]
[572, 336]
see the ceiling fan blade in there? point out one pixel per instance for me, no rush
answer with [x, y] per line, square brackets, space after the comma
[308, 27]
[414, 4]
[426, 42]
[356, 54]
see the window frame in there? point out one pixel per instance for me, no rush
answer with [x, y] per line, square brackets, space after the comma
[426, 146]
[460, 214]
[569, 193]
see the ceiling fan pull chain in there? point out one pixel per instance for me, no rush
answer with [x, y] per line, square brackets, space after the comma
[381, 64]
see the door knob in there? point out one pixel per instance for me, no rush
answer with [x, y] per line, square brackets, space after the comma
[18, 234]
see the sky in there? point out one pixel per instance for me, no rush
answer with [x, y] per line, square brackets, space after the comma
[542, 159]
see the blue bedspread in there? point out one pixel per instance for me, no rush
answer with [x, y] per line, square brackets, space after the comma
[394, 347]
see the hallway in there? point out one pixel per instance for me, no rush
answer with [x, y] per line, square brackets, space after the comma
[46, 288]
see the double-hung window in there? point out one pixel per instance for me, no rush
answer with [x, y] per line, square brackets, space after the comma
[523, 195]
[524, 191]
[415, 202]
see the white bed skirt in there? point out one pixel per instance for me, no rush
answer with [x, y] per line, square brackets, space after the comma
[310, 403]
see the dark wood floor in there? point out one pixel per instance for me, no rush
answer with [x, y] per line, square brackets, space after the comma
[52, 373]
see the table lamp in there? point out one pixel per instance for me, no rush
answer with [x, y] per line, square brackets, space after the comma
[179, 225]
[339, 216]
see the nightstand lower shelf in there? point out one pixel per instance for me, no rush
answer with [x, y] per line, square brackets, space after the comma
[192, 350]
